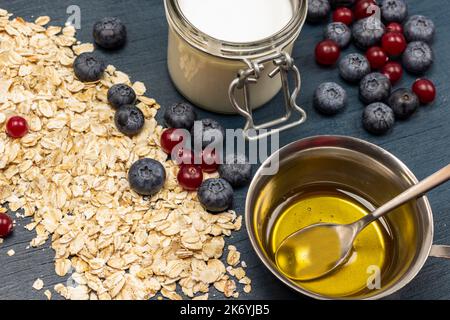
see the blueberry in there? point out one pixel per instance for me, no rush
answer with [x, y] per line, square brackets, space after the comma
[88, 67]
[378, 118]
[394, 10]
[339, 33]
[342, 3]
[216, 195]
[180, 116]
[375, 87]
[418, 57]
[353, 67]
[110, 33]
[330, 98]
[207, 132]
[318, 11]
[404, 103]
[236, 170]
[120, 95]
[419, 28]
[367, 32]
[147, 177]
[129, 120]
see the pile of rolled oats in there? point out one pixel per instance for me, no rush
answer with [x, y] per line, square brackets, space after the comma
[69, 174]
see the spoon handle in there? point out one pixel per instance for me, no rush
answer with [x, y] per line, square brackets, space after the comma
[415, 191]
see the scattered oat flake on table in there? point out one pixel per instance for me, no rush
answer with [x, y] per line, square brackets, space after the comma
[82, 48]
[233, 256]
[42, 21]
[48, 294]
[69, 173]
[11, 252]
[38, 284]
[202, 297]
[139, 88]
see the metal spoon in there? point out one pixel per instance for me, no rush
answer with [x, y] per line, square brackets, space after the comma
[315, 251]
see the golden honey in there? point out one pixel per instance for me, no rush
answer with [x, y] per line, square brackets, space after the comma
[309, 254]
[372, 249]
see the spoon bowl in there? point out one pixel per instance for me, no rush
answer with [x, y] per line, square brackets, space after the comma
[315, 251]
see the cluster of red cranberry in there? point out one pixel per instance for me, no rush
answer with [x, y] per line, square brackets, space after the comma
[393, 44]
[192, 167]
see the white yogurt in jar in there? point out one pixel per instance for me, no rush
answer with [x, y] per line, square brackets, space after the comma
[238, 20]
[197, 65]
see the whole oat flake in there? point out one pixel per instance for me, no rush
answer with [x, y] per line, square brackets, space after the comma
[69, 174]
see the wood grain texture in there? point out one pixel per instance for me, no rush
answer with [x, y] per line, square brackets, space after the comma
[423, 142]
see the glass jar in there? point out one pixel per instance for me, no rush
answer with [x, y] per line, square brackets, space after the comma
[236, 76]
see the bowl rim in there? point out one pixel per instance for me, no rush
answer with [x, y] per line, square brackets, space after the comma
[404, 280]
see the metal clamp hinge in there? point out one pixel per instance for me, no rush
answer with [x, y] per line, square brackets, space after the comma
[284, 64]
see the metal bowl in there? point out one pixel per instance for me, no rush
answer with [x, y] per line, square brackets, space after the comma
[374, 172]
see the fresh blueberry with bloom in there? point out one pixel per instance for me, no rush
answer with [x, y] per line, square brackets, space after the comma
[318, 11]
[88, 67]
[216, 195]
[236, 170]
[353, 67]
[339, 33]
[378, 118]
[418, 57]
[394, 10]
[147, 177]
[129, 120]
[375, 87]
[110, 33]
[120, 95]
[404, 103]
[207, 132]
[180, 116]
[329, 98]
[368, 32]
[419, 28]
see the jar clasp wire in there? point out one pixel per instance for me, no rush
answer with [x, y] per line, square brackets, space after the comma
[284, 64]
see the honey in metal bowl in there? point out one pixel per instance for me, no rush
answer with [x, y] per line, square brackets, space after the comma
[328, 203]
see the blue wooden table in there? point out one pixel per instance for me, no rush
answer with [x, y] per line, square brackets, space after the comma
[423, 142]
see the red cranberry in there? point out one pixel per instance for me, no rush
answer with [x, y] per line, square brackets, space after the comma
[344, 15]
[210, 161]
[6, 225]
[170, 138]
[393, 70]
[190, 177]
[16, 127]
[393, 43]
[365, 8]
[377, 57]
[327, 52]
[183, 156]
[394, 27]
[425, 90]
